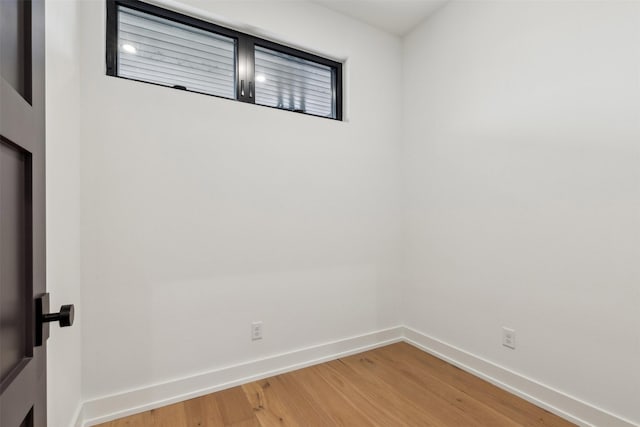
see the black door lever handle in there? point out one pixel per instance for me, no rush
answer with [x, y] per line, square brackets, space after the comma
[65, 316]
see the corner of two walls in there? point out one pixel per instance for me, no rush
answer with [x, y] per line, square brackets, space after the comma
[522, 175]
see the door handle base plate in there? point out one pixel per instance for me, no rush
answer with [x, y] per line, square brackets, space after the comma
[42, 327]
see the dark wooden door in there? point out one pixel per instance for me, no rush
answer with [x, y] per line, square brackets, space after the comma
[22, 212]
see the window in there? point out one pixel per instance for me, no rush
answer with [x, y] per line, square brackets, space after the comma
[154, 45]
[287, 81]
[161, 51]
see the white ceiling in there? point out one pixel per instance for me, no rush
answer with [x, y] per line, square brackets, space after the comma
[393, 16]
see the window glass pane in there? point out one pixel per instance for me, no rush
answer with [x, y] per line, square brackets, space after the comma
[292, 83]
[162, 51]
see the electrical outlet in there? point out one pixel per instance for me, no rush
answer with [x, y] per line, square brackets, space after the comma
[256, 331]
[509, 338]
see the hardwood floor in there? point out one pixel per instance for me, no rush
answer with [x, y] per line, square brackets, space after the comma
[396, 385]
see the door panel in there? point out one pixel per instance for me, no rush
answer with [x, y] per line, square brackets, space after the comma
[15, 43]
[15, 288]
[22, 212]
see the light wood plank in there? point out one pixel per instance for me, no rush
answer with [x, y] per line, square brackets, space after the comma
[281, 401]
[515, 408]
[226, 408]
[389, 408]
[168, 416]
[449, 405]
[342, 410]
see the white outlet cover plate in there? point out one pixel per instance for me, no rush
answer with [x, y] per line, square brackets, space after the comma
[509, 338]
[256, 331]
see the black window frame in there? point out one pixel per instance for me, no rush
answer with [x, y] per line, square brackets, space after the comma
[245, 51]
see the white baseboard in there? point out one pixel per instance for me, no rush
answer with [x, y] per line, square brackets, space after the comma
[108, 408]
[554, 401]
[78, 418]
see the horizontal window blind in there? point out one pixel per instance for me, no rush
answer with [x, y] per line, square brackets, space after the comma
[158, 50]
[292, 83]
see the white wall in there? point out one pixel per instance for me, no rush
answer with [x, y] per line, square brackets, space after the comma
[63, 206]
[522, 170]
[201, 215]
